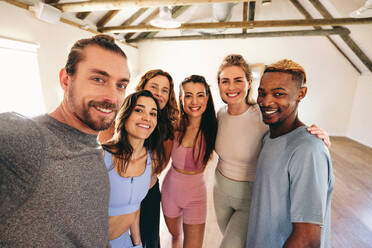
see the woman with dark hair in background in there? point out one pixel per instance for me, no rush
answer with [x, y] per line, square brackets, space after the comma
[184, 190]
[130, 157]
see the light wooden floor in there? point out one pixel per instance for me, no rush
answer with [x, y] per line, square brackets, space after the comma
[352, 197]
[351, 202]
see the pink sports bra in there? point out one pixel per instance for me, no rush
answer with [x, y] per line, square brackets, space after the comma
[182, 157]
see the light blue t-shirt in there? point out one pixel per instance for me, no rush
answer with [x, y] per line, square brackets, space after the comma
[293, 184]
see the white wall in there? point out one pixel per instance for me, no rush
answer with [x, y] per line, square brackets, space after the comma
[331, 80]
[361, 117]
[55, 42]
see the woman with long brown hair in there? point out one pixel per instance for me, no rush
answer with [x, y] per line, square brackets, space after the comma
[130, 157]
[184, 191]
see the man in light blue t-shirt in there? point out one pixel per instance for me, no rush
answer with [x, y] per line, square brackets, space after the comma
[294, 180]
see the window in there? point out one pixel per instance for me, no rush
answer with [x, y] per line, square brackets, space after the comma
[20, 86]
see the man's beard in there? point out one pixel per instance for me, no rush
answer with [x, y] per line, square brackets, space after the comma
[82, 112]
[97, 125]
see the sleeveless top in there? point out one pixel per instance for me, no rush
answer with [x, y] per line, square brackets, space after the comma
[182, 157]
[126, 193]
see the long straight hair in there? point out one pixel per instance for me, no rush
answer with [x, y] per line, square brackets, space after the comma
[208, 123]
[119, 145]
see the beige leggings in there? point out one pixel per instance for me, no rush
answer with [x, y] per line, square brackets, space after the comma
[232, 201]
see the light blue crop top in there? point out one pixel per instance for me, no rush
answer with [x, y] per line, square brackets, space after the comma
[126, 193]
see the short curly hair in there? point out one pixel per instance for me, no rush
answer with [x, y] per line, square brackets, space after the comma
[289, 66]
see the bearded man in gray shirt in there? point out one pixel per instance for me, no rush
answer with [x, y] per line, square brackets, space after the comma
[54, 187]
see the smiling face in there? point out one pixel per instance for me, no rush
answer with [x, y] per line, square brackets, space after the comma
[96, 91]
[143, 119]
[233, 85]
[194, 99]
[159, 87]
[278, 98]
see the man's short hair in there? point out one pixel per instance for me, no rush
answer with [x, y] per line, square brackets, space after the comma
[76, 53]
[288, 66]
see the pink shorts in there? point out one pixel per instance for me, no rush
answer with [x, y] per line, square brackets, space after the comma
[184, 195]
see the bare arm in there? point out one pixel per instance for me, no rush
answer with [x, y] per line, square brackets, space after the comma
[304, 235]
[320, 133]
[135, 229]
[168, 149]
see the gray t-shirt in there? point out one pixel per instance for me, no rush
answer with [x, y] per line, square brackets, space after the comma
[294, 184]
[54, 186]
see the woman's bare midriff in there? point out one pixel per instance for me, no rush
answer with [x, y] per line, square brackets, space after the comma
[120, 224]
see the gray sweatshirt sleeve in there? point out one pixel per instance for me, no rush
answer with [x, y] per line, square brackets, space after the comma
[21, 147]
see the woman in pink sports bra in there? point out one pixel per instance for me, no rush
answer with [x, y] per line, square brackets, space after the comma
[184, 195]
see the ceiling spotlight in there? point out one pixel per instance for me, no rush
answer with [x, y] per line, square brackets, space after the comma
[266, 2]
[364, 11]
[165, 20]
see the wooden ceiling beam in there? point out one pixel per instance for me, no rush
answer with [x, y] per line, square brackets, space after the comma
[321, 9]
[176, 12]
[245, 15]
[252, 8]
[51, 1]
[101, 5]
[134, 17]
[82, 15]
[154, 14]
[307, 15]
[322, 32]
[18, 4]
[63, 20]
[130, 20]
[346, 38]
[107, 17]
[248, 24]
